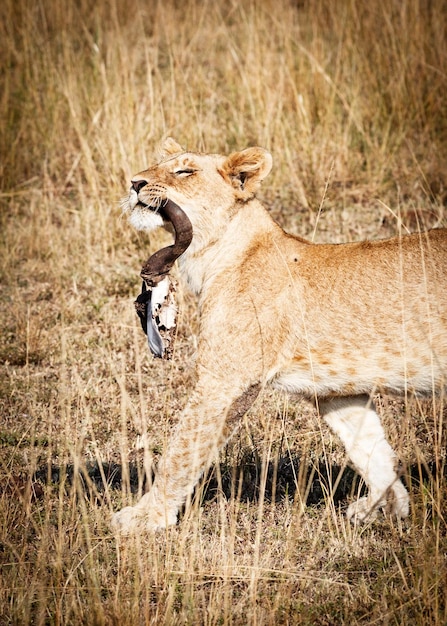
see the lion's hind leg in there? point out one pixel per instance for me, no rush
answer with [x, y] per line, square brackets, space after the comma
[358, 425]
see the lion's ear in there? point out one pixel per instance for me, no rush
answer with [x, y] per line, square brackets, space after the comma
[169, 147]
[246, 170]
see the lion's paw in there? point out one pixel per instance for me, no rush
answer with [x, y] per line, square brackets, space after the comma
[361, 511]
[132, 520]
[398, 501]
[126, 521]
[396, 504]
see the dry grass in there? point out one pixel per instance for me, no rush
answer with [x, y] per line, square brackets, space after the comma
[350, 98]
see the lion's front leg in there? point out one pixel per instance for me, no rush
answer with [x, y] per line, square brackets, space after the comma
[212, 413]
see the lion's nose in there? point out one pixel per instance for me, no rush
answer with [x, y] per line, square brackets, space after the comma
[138, 184]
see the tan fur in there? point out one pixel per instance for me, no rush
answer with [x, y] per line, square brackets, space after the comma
[332, 322]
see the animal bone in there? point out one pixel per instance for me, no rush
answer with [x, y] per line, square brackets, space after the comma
[156, 306]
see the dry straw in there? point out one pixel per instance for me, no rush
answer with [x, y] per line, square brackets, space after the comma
[350, 99]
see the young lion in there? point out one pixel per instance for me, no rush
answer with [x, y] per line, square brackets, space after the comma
[332, 322]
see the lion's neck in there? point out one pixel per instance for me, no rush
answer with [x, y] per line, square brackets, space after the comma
[219, 251]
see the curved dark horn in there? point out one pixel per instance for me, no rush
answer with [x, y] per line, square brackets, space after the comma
[160, 263]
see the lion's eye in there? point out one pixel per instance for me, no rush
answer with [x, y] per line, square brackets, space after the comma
[185, 172]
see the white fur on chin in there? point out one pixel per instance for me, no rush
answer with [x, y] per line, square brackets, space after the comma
[145, 219]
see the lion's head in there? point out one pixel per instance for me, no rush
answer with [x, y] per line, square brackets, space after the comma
[207, 187]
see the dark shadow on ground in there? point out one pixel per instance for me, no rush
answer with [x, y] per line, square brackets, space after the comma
[247, 480]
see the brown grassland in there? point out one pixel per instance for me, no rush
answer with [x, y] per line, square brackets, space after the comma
[350, 98]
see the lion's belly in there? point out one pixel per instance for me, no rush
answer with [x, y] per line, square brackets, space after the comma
[352, 374]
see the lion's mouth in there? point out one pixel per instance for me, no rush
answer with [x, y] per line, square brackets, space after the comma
[155, 208]
[143, 205]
